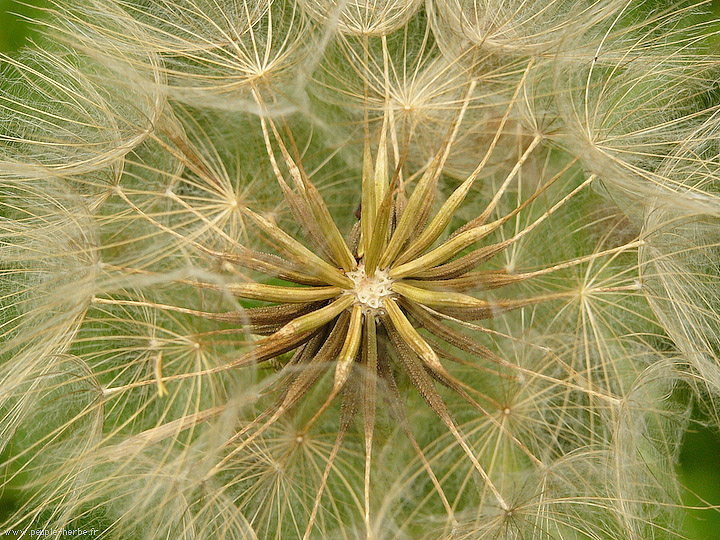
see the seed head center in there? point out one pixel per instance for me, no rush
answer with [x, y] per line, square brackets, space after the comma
[371, 291]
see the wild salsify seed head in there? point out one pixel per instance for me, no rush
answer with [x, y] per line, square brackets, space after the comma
[204, 337]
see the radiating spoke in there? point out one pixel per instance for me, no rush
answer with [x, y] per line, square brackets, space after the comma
[422, 381]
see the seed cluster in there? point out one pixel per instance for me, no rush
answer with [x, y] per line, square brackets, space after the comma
[235, 356]
[360, 306]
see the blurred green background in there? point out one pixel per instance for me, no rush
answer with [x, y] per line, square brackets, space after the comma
[699, 465]
[14, 30]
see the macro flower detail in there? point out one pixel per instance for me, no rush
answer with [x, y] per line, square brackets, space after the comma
[383, 270]
[352, 307]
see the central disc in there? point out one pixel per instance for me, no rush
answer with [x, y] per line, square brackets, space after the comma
[371, 291]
